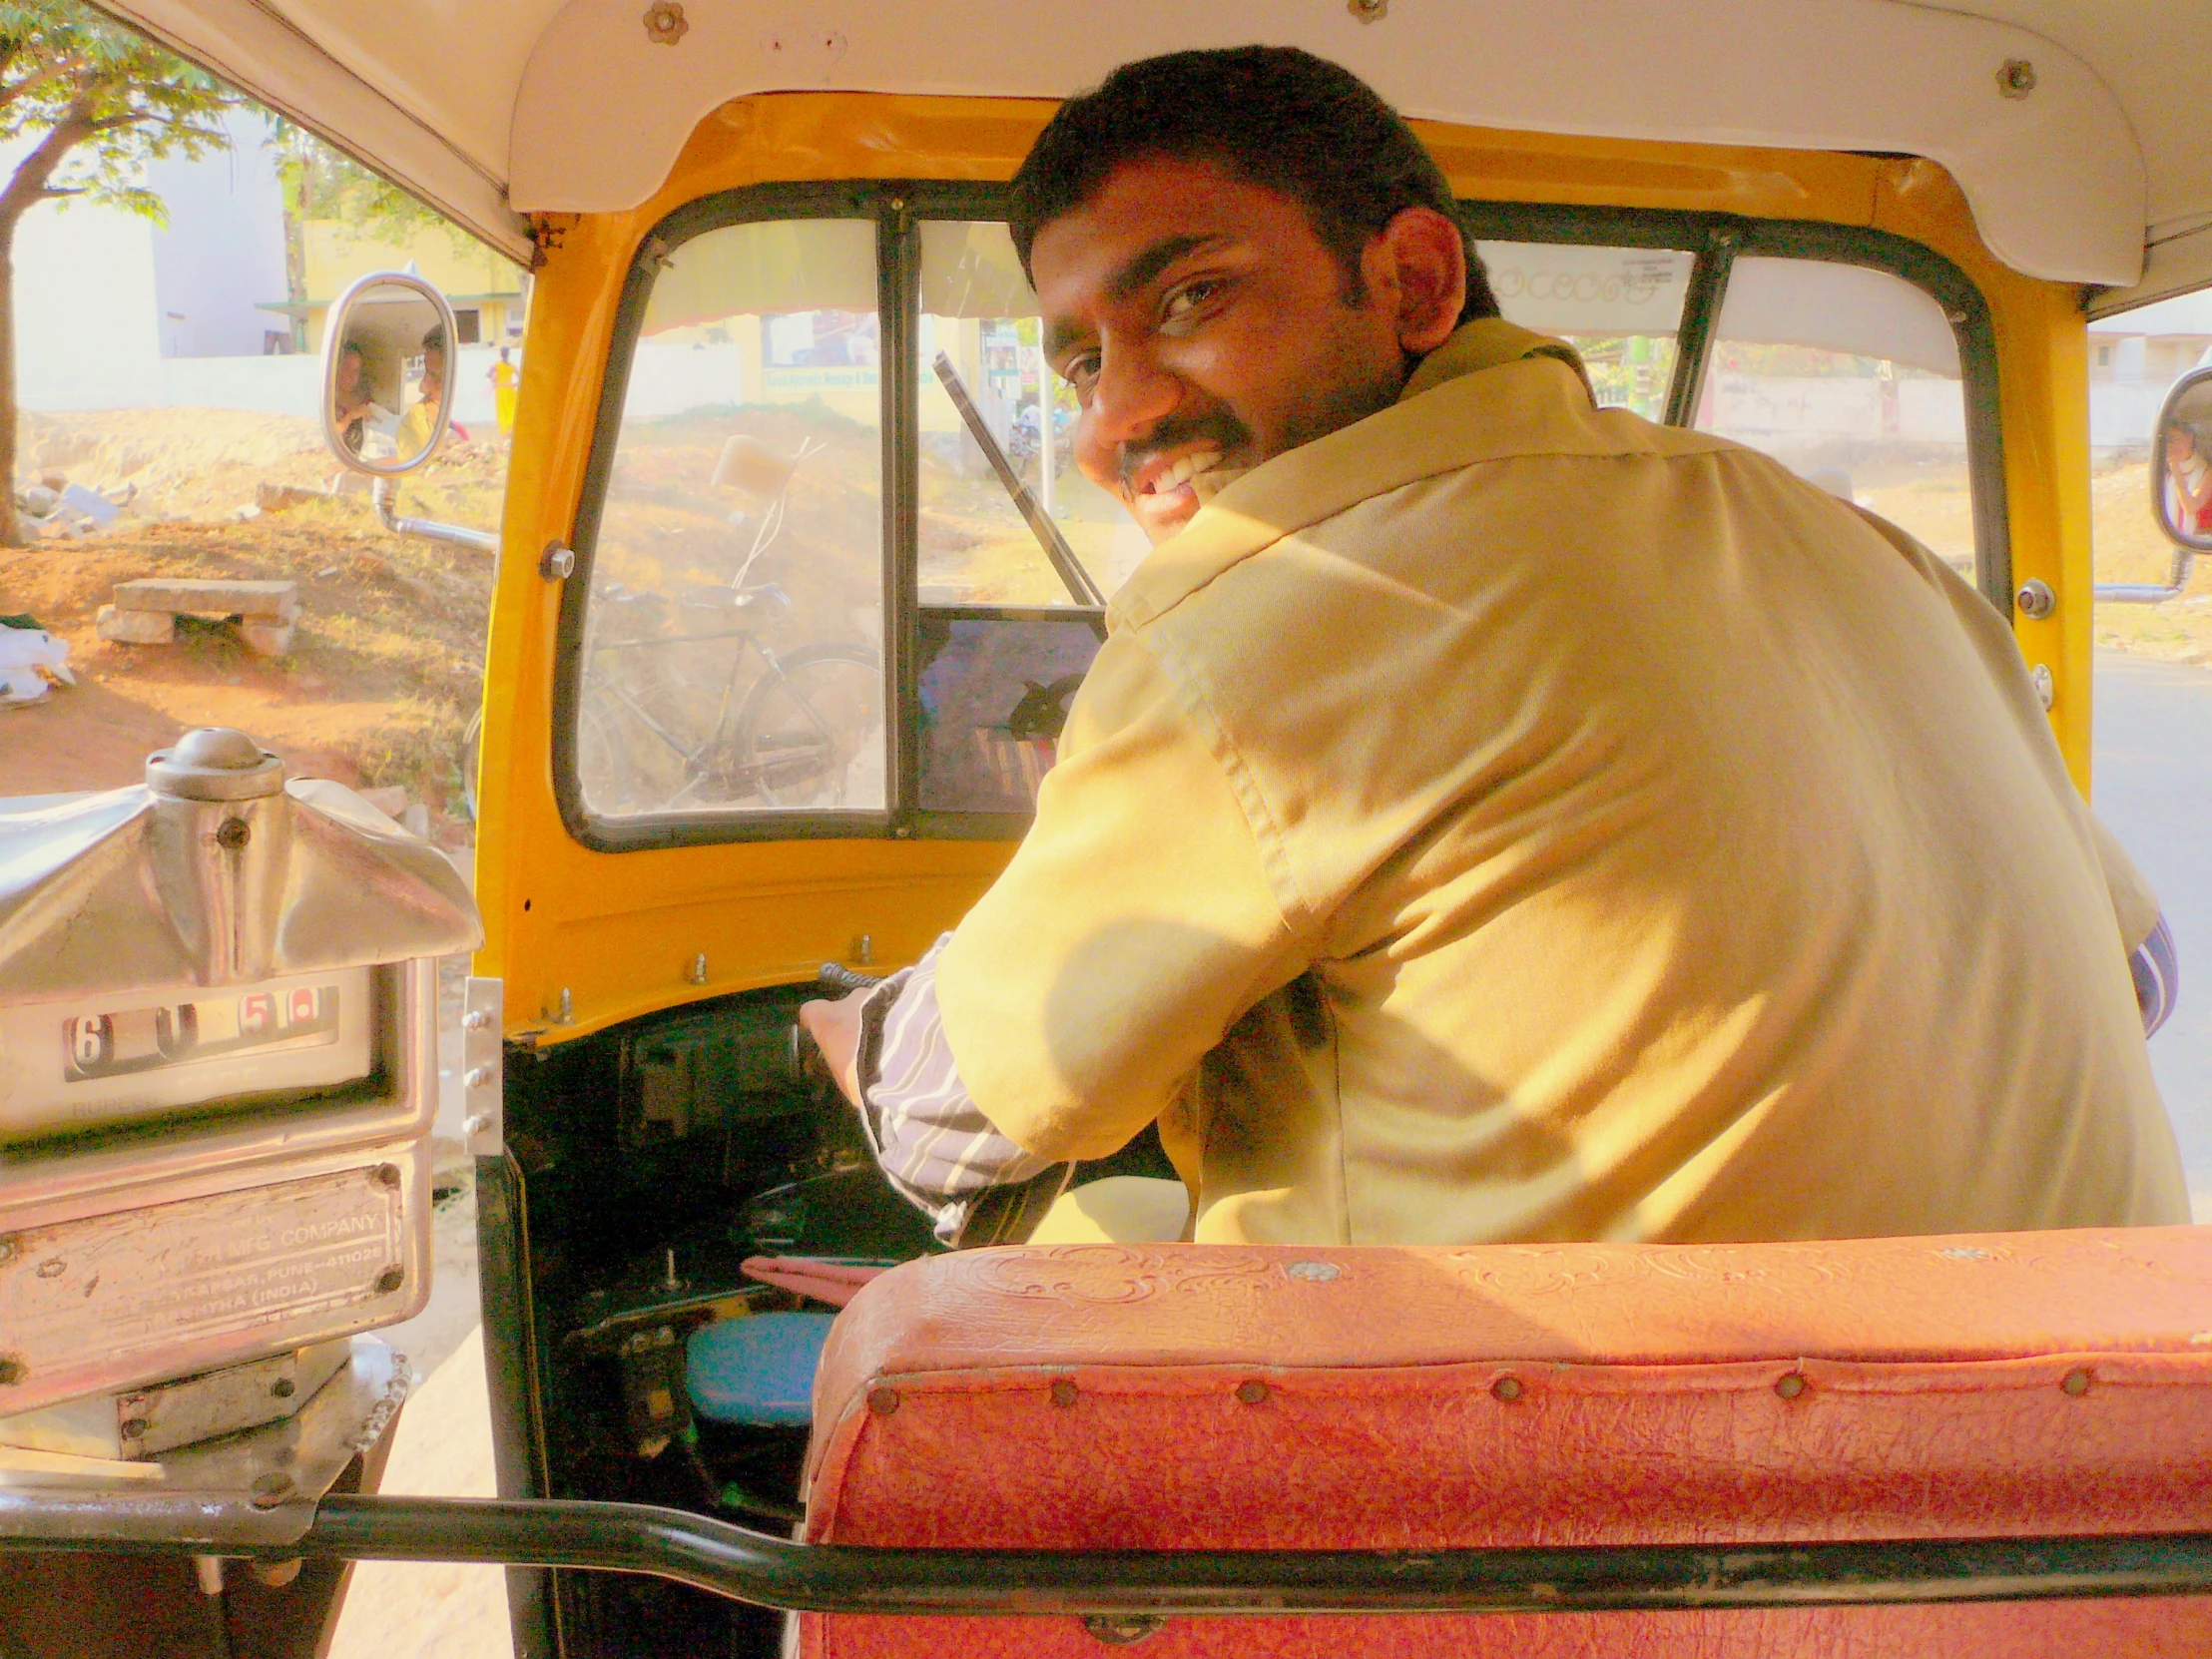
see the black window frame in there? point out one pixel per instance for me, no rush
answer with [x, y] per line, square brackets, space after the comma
[1713, 240]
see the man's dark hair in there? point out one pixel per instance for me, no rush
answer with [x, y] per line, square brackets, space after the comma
[1277, 117]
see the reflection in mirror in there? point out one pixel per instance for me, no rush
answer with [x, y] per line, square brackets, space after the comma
[2181, 463]
[388, 392]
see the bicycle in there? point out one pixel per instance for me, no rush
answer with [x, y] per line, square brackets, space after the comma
[798, 734]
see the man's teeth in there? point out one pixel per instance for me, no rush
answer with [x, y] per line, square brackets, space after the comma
[1186, 469]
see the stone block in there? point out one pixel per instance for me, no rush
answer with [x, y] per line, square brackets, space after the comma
[134, 627]
[264, 637]
[210, 596]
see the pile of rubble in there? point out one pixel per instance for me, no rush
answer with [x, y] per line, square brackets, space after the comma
[55, 507]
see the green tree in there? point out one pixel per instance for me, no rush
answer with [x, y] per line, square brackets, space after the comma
[322, 183]
[96, 104]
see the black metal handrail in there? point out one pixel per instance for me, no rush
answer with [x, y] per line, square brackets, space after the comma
[752, 1566]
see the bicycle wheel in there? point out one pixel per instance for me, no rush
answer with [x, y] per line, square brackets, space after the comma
[811, 732]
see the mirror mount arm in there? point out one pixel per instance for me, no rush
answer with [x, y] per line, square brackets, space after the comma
[2149, 593]
[385, 493]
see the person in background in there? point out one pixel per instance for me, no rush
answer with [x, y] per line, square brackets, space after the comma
[502, 377]
[353, 411]
[417, 425]
[2189, 478]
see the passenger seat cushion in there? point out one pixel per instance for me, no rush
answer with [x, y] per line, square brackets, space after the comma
[1181, 1396]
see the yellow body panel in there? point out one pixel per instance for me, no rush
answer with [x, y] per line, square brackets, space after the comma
[620, 932]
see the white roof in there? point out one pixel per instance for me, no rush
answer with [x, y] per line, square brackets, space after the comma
[491, 109]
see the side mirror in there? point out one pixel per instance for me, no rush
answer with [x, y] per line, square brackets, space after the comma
[2180, 486]
[2181, 463]
[387, 374]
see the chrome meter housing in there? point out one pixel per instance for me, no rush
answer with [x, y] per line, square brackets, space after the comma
[218, 1074]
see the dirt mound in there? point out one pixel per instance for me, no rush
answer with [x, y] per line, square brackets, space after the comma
[184, 463]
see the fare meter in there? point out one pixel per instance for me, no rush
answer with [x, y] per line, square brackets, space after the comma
[218, 1078]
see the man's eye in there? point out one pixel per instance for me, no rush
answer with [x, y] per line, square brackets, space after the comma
[1183, 303]
[1080, 372]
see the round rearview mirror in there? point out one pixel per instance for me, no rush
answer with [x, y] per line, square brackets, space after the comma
[387, 374]
[2181, 463]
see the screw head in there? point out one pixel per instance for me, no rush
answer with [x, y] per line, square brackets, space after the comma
[1789, 1386]
[2035, 600]
[390, 1280]
[7, 1251]
[882, 1402]
[234, 834]
[2016, 78]
[12, 1369]
[665, 23]
[387, 1175]
[133, 1429]
[1253, 1392]
[1064, 1393]
[271, 1489]
[283, 1387]
[2075, 1382]
[1367, 11]
[1507, 1388]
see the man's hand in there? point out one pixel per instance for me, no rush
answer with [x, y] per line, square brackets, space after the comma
[836, 1028]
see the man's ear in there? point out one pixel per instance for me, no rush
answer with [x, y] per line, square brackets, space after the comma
[1425, 266]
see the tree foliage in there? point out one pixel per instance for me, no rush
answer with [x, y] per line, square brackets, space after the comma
[322, 183]
[98, 102]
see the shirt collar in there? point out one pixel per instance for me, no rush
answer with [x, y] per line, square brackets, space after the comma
[1493, 388]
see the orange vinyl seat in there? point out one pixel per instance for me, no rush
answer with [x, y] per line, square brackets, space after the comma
[1181, 1396]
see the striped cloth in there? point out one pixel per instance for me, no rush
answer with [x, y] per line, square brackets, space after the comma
[938, 1151]
[2157, 972]
[943, 1156]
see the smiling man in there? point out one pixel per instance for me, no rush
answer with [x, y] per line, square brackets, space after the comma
[1491, 817]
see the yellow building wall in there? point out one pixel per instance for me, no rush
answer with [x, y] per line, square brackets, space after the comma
[337, 254]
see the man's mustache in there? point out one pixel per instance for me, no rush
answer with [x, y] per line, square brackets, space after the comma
[1219, 427]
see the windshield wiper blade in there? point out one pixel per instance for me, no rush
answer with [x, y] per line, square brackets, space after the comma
[1080, 587]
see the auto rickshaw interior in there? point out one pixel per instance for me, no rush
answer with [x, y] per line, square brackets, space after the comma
[832, 628]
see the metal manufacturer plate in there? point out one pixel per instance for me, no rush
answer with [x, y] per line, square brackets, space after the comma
[115, 1299]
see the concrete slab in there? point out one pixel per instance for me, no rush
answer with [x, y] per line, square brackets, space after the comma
[210, 596]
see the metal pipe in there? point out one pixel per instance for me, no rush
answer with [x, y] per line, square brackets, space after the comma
[385, 494]
[2149, 593]
[752, 1566]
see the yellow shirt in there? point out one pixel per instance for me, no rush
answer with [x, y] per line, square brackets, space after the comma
[1504, 818]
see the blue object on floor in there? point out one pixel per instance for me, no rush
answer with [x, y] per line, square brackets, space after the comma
[759, 1370]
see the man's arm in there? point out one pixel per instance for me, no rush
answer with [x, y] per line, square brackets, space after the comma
[1149, 908]
[886, 1047]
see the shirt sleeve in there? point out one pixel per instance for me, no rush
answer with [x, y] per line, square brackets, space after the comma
[938, 1151]
[1149, 906]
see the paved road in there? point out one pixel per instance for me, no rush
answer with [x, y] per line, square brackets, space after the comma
[2154, 788]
